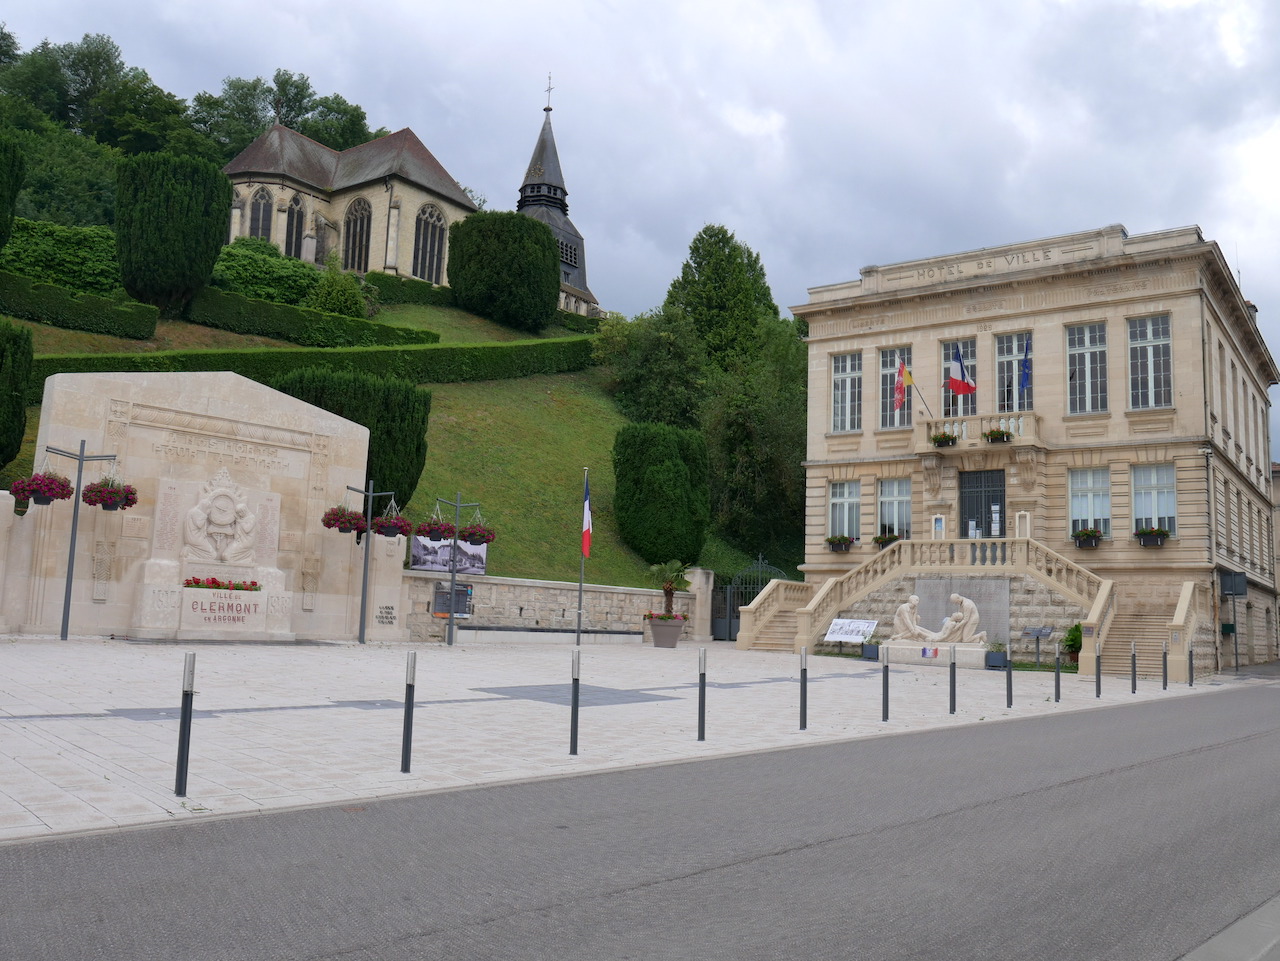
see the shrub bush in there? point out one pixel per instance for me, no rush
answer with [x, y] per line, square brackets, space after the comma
[661, 497]
[396, 412]
[61, 307]
[505, 267]
[13, 170]
[408, 290]
[298, 325]
[15, 373]
[82, 258]
[339, 292]
[246, 269]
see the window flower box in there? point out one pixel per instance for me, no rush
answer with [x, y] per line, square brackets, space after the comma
[1151, 536]
[943, 439]
[1087, 537]
[884, 540]
[998, 435]
[839, 542]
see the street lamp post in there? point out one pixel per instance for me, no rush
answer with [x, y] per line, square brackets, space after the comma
[453, 554]
[80, 458]
[369, 494]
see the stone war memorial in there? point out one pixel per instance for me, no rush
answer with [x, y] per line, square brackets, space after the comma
[232, 480]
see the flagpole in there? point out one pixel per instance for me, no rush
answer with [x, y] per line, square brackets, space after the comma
[582, 561]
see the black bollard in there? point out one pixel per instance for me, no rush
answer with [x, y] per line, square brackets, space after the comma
[804, 688]
[702, 694]
[406, 739]
[573, 710]
[884, 656]
[1097, 670]
[184, 725]
[1133, 667]
[1164, 667]
[1008, 676]
[1191, 665]
[1057, 673]
[953, 678]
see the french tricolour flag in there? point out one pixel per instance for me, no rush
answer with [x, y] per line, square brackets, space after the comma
[586, 517]
[960, 381]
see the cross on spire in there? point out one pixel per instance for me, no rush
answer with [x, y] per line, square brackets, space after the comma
[549, 89]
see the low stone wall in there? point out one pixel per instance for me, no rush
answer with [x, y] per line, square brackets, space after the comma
[519, 606]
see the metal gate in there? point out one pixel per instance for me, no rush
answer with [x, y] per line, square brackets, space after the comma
[741, 591]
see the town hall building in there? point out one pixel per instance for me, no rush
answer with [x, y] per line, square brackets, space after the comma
[1074, 429]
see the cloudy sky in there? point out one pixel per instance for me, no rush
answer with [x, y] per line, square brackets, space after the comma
[826, 135]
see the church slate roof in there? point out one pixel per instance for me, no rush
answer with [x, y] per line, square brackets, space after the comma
[544, 165]
[285, 152]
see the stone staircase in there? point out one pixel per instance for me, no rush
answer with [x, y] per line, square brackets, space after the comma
[779, 634]
[1147, 631]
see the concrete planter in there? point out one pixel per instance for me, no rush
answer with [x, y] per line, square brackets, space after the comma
[665, 633]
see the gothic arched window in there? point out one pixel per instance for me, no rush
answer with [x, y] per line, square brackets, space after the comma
[428, 244]
[260, 210]
[293, 228]
[355, 236]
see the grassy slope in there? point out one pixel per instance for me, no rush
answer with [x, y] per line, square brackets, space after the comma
[515, 447]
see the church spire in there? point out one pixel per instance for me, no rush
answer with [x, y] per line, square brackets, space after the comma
[543, 182]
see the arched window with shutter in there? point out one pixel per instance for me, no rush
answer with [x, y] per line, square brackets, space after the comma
[260, 211]
[429, 237]
[355, 236]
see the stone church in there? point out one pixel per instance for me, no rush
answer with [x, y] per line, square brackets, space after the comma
[387, 205]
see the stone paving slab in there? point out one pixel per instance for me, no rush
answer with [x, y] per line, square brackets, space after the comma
[89, 727]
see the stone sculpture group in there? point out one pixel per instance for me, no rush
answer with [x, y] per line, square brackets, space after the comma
[960, 628]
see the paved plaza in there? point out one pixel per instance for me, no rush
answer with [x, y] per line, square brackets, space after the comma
[89, 726]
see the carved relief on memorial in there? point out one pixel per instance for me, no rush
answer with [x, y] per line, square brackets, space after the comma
[220, 527]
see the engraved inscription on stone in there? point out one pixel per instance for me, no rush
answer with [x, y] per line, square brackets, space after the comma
[168, 519]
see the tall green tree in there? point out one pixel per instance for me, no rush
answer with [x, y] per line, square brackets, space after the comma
[505, 267]
[661, 499]
[171, 223]
[13, 169]
[40, 78]
[723, 290]
[755, 423]
[71, 180]
[92, 67]
[15, 371]
[135, 114]
[658, 364]
[396, 412]
[336, 123]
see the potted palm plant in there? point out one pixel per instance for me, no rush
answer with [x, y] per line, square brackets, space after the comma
[667, 626]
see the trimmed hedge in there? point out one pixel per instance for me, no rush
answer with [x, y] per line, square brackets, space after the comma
[298, 325]
[82, 258]
[577, 322]
[243, 269]
[661, 499]
[420, 364]
[62, 307]
[408, 290]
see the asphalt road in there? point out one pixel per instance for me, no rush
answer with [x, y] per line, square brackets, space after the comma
[1131, 833]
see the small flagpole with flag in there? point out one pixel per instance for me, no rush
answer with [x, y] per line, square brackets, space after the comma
[586, 547]
[960, 381]
[901, 382]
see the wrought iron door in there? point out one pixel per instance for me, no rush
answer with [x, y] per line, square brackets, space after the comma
[746, 584]
[982, 511]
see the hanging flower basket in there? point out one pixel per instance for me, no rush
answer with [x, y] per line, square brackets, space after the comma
[42, 488]
[476, 533]
[392, 525]
[344, 520]
[110, 493]
[435, 530]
